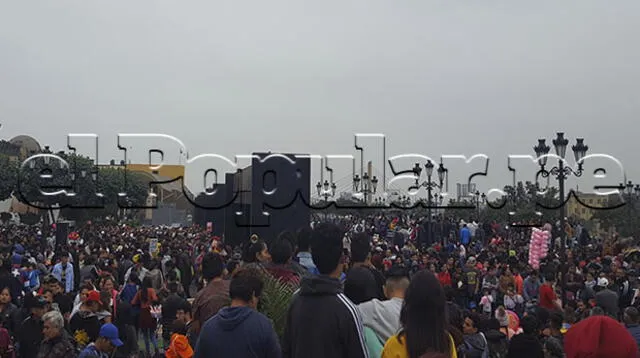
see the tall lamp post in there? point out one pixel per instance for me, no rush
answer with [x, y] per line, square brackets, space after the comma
[561, 173]
[430, 185]
[368, 187]
[630, 191]
[479, 197]
[326, 193]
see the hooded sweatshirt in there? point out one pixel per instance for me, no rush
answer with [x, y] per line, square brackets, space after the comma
[320, 309]
[476, 345]
[383, 317]
[250, 332]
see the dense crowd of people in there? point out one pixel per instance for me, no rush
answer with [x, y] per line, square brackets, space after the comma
[364, 287]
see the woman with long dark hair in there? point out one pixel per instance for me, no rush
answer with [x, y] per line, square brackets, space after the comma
[145, 298]
[424, 321]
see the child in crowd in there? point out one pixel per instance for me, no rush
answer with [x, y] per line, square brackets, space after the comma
[486, 303]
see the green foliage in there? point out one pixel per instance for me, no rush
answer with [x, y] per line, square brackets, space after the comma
[7, 177]
[625, 219]
[461, 209]
[76, 175]
[110, 183]
[524, 203]
[275, 301]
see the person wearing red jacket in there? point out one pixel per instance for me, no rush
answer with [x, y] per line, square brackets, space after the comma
[444, 277]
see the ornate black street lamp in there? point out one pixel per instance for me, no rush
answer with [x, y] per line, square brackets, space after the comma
[480, 199]
[326, 193]
[430, 185]
[561, 173]
[368, 187]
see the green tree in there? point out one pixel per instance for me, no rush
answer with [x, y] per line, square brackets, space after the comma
[524, 203]
[8, 172]
[77, 181]
[111, 183]
[625, 218]
[461, 209]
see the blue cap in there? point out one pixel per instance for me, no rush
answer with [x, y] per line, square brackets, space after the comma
[110, 332]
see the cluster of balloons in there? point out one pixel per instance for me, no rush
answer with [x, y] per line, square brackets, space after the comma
[538, 247]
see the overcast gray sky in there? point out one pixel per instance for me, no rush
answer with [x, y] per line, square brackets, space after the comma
[230, 77]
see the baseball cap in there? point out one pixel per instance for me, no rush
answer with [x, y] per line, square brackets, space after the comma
[110, 332]
[94, 296]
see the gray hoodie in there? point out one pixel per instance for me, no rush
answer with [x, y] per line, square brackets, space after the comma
[383, 317]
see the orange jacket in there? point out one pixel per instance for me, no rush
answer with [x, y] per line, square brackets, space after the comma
[179, 347]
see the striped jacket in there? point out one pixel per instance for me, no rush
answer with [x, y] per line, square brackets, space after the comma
[323, 322]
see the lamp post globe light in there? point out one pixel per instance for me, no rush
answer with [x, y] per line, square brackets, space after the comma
[629, 190]
[326, 190]
[365, 185]
[430, 185]
[561, 173]
[480, 199]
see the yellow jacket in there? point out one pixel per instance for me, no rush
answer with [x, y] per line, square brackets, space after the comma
[394, 348]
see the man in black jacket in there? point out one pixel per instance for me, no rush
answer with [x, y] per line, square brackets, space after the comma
[361, 257]
[322, 321]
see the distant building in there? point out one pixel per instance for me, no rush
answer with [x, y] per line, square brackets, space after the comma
[465, 191]
[28, 146]
[172, 205]
[10, 150]
[576, 209]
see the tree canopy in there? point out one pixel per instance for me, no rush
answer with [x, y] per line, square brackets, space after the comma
[73, 185]
[7, 177]
[524, 203]
[625, 218]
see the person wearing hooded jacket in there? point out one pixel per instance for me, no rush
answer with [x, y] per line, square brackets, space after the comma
[383, 317]
[240, 330]
[319, 309]
[476, 345]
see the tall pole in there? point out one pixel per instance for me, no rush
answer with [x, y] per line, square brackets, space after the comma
[563, 233]
[429, 231]
[369, 191]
